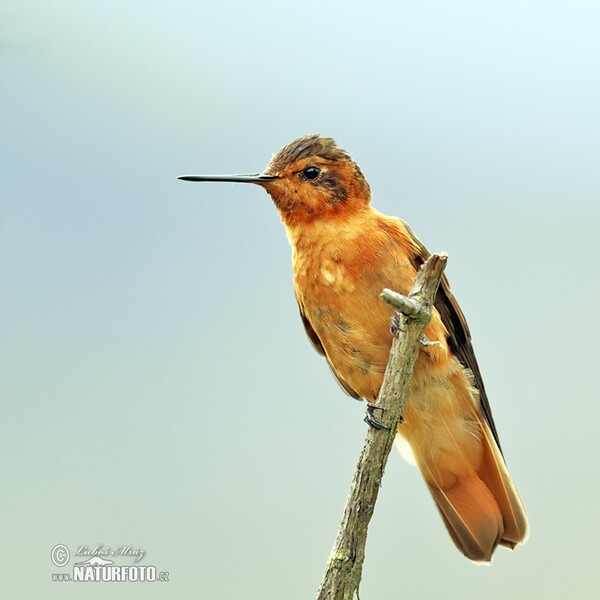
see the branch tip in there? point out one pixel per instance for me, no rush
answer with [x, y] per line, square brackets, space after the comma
[407, 306]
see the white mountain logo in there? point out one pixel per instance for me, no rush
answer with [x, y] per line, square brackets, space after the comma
[96, 561]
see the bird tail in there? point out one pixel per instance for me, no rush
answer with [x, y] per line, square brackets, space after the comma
[482, 509]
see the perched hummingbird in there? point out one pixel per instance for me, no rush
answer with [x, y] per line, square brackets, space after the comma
[344, 252]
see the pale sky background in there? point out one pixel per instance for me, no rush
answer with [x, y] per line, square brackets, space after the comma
[157, 387]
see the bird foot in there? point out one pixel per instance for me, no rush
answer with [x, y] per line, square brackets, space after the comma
[427, 342]
[370, 418]
[395, 328]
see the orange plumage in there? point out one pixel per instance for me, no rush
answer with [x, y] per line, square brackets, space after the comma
[344, 253]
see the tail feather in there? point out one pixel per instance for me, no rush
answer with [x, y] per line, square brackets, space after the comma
[472, 517]
[481, 508]
[494, 474]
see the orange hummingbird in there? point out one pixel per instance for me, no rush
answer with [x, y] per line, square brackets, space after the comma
[344, 252]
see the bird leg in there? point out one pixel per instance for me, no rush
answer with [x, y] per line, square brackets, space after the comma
[370, 418]
[395, 328]
[427, 342]
[374, 422]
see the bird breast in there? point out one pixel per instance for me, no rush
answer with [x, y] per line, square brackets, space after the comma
[340, 269]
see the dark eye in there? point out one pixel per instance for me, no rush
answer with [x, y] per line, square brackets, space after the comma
[311, 173]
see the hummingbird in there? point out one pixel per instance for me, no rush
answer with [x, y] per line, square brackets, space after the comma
[344, 252]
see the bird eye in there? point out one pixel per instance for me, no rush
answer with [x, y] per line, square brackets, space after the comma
[311, 173]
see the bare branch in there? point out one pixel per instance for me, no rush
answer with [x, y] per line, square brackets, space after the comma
[344, 567]
[401, 303]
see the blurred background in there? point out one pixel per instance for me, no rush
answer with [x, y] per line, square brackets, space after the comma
[158, 390]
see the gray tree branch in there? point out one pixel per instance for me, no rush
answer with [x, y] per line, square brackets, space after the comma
[344, 567]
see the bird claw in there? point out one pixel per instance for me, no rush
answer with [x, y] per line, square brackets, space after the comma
[395, 328]
[370, 418]
[425, 341]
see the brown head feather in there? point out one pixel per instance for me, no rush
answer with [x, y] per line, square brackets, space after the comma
[307, 147]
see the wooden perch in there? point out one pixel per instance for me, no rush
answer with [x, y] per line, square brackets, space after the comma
[344, 567]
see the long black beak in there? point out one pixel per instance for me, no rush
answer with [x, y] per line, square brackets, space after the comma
[255, 178]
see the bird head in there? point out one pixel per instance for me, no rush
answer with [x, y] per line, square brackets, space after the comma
[309, 179]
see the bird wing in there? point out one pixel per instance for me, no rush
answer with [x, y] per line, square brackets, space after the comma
[318, 346]
[459, 336]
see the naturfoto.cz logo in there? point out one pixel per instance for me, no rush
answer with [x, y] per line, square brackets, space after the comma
[99, 567]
